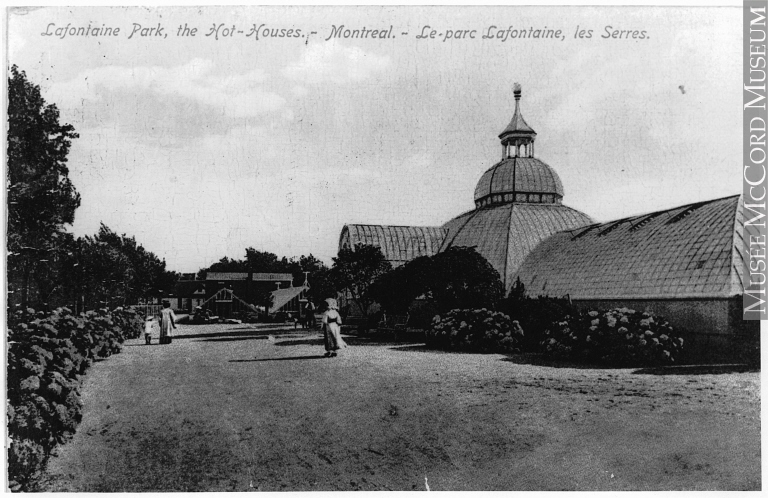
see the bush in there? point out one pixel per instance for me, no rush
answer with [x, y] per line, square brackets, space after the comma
[475, 330]
[421, 314]
[534, 313]
[47, 355]
[129, 321]
[621, 336]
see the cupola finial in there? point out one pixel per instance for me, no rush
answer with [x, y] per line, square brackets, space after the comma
[517, 138]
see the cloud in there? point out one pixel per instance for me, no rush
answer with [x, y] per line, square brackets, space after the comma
[238, 95]
[332, 62]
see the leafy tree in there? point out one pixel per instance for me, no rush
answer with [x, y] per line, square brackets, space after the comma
[354, 272]
[458, 278]
[104, 273]
[47, 288]
[265, 262]
[320, 284]
[41, 197]
[110, 269]
[224, 265]
[255, 261]
[396, 290]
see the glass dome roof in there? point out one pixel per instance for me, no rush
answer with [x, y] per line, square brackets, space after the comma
[519, 179]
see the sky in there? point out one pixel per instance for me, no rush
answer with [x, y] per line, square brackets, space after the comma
[200, 147]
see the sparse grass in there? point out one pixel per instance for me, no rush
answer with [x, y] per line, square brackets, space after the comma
[235, 408]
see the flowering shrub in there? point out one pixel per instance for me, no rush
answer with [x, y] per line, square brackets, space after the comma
[475, 330]
[129, 321]
[47, 355]
[620, 336]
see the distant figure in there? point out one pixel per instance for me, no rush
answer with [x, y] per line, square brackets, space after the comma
[148, 326]
[332, 329]
[309, 315]
[167, 323]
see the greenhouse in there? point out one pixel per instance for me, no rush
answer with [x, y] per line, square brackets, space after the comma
[684, 263]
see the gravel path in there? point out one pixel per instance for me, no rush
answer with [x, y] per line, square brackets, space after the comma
[238, 408]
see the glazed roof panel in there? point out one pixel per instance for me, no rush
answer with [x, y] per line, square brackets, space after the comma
[689, 251]
[398, 243]
[505, 234]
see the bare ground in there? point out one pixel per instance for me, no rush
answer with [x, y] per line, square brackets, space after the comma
[236, 408]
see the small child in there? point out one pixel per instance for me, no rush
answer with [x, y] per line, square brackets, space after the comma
[148, 326]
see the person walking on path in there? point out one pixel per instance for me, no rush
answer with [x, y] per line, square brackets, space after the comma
[167, 323]
[149, 325]
[332, 329]
[309, 314]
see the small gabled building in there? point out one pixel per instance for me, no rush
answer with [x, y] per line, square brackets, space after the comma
[243, 285]
[188, 294]
[246, 284]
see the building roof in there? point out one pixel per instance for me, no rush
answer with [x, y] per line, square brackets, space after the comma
[505, 234]
[188, 288]
[268, 277]
[519, 175]
[399, 244]
[692, 251]
[284, 296]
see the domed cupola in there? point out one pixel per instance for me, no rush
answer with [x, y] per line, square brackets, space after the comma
[519, 177]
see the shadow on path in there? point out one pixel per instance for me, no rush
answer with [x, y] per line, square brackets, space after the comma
[537, 359]
[698, 369]
[285, 358]
[237, 333]
[423, 348]
[239, 338]
[350, 340]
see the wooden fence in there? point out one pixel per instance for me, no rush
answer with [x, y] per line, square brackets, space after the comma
[148, 309]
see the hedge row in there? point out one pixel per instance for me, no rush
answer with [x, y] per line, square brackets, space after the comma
[619, 336]
[47, 355]
[475, 330]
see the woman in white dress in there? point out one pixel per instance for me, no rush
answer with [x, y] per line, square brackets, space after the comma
[167, 323]
[332, 328]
